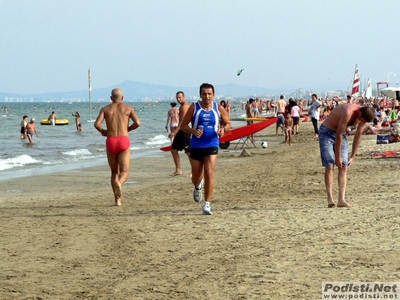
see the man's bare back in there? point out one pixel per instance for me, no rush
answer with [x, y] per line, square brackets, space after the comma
[117, 115]
[281, 105]
[182, 110]
[343, 116]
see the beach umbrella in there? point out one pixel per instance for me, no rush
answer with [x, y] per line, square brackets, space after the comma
[391, 92]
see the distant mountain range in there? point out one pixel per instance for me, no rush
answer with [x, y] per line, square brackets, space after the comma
[140, 91]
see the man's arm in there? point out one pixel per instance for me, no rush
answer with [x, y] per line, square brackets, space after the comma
[341, 128]
[135, 118]
[97, 123]
[226, 122]
[356, 141]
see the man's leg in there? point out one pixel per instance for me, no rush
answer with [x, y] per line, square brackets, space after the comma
[197, 171]
[188, 155]
[119, 165]
[210, 162]
[112, 162]
[124, 163]
[177, 162]
[329, 185]
[342, 181]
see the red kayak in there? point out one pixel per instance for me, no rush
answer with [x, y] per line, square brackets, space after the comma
[239, 132]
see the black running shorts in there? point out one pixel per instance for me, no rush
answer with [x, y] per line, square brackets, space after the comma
[199, 153]
[181, 141]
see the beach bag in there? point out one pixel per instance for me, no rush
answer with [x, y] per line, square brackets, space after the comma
[382, 139]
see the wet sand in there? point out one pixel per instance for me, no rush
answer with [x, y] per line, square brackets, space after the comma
[271, 235]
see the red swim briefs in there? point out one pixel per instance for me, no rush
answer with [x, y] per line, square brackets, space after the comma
[117, 144]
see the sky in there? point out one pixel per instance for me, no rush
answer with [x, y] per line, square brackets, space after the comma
[49, 45]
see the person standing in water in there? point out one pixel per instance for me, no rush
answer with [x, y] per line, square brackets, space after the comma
[31, 130]
[24, 122]
[77, 116]
[52, 118]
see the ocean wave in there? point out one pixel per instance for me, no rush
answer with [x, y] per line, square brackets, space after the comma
[78, 152]
[158, 140]
[17, 161]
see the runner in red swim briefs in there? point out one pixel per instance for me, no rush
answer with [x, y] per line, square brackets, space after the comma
[117, 116]
[117, 144]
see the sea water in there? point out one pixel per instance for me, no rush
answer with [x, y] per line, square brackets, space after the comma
[62, 148]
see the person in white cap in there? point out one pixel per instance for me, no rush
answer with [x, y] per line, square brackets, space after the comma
[31, 130]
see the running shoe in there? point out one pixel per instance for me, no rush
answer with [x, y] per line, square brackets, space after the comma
[197, 193]
[207, 208]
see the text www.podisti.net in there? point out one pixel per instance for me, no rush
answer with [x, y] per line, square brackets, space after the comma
[360, 290]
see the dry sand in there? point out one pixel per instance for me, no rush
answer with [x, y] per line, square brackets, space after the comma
[271, 235]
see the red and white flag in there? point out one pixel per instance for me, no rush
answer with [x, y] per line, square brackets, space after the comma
[355, 91]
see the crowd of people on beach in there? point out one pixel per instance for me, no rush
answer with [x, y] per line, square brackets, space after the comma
[317, 109]
[196, 129]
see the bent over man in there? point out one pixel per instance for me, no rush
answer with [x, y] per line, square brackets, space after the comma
[334, 147]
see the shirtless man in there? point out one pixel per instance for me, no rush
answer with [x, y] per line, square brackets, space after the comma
[117, 115]
[254, 109]
[334, 147]
[281, 106]
[31, 130]
[52, 118]
[180, 139]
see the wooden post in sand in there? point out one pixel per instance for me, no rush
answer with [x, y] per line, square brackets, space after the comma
[90, 99]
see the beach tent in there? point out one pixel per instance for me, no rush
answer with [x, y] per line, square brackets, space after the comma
[391, 92]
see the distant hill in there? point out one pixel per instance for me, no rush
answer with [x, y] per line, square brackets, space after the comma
[140, 91]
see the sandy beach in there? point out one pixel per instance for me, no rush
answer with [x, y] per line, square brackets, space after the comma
[271, 235]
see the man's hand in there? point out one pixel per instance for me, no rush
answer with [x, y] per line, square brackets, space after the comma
[221, 131]
[339, 162]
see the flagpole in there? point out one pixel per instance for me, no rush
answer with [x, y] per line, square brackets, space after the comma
[90, 98]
